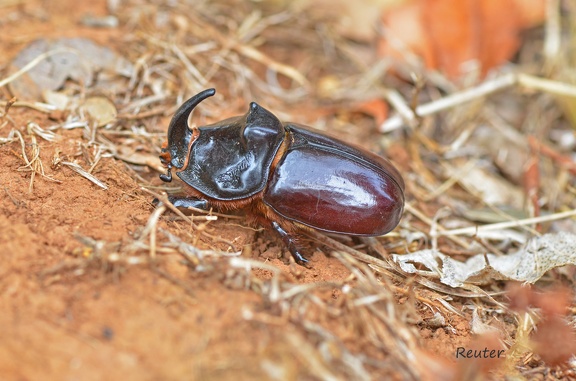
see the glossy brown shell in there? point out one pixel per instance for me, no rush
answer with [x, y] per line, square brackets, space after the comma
[329, 185]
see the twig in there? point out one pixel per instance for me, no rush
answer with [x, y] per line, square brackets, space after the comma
[38, 106]
[439, 228]
[7, 105]
[452, 100]
[150, 228]
[546, 85]
[451, 181]
[189, 66]
[553, 30]
[146, 114]
[35, 164]
[348, 250]
[78, 169]
[250, 52]
[256, 55]
[164, 199]
[486, 88]
[97, 158]
[472, 230]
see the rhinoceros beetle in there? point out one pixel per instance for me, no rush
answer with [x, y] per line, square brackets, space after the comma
[286, 176]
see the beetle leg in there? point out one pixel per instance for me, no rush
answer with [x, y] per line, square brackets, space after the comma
[167, 177]
[188, 202]
[290, 243]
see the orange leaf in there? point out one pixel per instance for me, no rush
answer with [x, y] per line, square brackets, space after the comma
[532, 12]
[376, 108]
[447, 33]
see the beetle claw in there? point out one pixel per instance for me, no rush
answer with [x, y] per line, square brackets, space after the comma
[299, 258]
[289, 241]
[167, 177]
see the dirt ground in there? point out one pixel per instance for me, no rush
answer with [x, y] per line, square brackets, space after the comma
[84, 297]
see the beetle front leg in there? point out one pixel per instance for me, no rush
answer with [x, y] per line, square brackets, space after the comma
[189, 202]
[290, 243]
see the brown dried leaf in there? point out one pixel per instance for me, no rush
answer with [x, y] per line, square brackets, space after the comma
[448, 34]
[101, 109]
[76, 58]
[376, 108]
[554, 339]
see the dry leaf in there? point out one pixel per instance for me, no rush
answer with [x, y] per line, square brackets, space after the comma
[101, 109]
[554, 340]
[57, 99]
[132, 156]
[493, 189]
[531, 12]
[376, 108]
[71, 58]
[528, 264]
[448, 34]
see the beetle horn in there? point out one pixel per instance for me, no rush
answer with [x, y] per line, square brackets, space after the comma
[178, 132]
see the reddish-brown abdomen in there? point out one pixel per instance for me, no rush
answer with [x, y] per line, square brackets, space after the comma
[330, 186]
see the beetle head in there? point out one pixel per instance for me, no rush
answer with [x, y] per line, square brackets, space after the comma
[175, 149]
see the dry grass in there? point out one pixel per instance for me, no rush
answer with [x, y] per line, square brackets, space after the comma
[248, 52]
